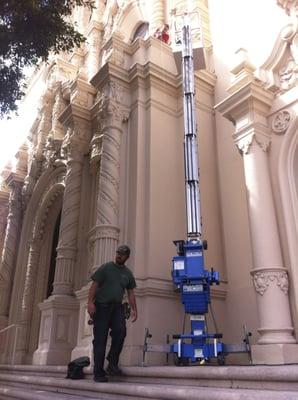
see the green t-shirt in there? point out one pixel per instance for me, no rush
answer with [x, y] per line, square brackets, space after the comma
[112, 281]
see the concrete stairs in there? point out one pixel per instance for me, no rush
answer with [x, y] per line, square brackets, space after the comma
[162, 383]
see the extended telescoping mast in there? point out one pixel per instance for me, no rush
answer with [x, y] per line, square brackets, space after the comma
[191, 161]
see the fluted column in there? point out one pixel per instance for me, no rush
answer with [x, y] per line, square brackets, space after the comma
[248, 108]
[67, 245]
[10, 247]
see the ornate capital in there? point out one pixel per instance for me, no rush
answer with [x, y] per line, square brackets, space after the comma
[264, 278]
[256, 135]
[111, 112]
[15, 183]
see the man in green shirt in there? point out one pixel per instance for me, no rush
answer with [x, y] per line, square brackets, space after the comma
[105, 308]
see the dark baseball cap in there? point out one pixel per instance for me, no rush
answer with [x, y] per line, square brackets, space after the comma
[123, 249]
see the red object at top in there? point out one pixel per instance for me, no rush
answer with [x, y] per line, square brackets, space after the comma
[165, 37]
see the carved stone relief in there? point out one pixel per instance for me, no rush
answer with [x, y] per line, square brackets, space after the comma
[281, 122]
[113, 12]
[52, 152]
[288, 74]
[58, 107]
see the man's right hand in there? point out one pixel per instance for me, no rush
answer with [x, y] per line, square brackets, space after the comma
[91, 309]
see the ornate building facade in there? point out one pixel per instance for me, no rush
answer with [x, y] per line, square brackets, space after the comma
[103, 165]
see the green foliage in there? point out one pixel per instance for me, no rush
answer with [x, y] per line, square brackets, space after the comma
[29, 31]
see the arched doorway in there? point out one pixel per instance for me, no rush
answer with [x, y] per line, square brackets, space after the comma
[53, 256]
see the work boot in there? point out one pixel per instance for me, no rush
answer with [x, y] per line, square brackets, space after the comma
[114, 370]
[100, 378]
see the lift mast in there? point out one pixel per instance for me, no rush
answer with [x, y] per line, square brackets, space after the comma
[188, 271]
[188, 268]
[191, 161]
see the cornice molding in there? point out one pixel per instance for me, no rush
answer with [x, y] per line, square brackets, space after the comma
[73, 111]
[250, 98]
[94, 25]
[15, 178]
[248, 109]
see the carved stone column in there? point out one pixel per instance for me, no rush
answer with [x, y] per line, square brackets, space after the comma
[248, 108]
[28, 295]
[9, 253]
[67, 245]
[105, 155]
[110, 119]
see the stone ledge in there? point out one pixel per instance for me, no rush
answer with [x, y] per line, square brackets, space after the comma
[116, 390]
[232, 377]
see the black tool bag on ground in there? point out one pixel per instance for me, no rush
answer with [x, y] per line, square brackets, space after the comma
[75, 368]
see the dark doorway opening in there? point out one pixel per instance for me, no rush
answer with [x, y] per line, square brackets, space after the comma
[53, 256]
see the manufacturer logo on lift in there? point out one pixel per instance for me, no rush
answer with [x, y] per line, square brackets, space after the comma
[192, 288]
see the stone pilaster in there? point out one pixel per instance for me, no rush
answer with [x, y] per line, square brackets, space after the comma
[9, 253]
[248, 108]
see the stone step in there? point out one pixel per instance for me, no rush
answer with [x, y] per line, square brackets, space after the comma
[245, 377]
[8, 392]
[87, 389]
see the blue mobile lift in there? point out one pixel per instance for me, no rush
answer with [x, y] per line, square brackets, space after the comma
[189, 275]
